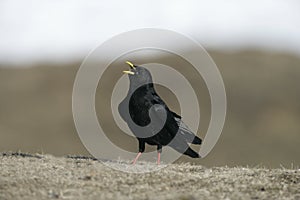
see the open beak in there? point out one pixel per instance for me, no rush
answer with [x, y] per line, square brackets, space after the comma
[129, 72]
[131, 67]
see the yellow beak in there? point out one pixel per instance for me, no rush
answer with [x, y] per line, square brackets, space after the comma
[129, 72]
[130, 64]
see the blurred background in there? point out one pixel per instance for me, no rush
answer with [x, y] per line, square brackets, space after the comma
[255, 44]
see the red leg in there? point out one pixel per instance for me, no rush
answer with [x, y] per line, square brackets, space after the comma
[158, 158]
[136, 158]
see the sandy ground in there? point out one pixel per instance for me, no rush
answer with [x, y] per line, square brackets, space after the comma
[35, 176]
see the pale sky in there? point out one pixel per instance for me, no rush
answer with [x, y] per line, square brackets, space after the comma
[62, 30]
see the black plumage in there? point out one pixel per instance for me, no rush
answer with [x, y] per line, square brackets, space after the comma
[143, 106]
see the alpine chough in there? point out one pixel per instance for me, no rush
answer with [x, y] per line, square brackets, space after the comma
[143, 106]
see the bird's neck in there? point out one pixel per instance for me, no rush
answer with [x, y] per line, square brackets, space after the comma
[133, 87]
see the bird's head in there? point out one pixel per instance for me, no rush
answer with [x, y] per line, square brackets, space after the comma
[138, 75]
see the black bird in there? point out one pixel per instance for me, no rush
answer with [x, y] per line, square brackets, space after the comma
[142, 107]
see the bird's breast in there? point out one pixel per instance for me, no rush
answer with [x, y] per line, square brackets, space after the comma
[139, 107]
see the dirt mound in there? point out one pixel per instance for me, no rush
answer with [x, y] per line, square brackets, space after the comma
[36, 176]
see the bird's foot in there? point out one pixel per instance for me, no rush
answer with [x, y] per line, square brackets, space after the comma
[158, 158]
[136, 158]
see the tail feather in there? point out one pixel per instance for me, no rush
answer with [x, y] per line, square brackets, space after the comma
[196, 140]
[190, 152]
[180, 145]
[187, 134]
